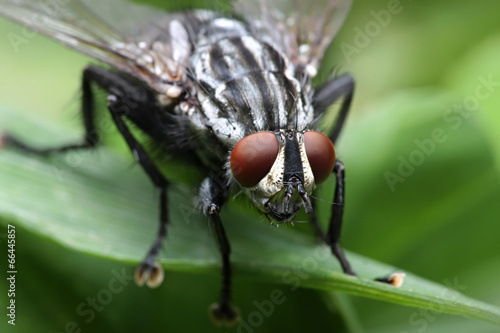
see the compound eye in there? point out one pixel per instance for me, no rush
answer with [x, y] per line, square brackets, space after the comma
[321, 155]
[253, 156]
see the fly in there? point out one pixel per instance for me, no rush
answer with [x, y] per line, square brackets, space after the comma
[232, 92]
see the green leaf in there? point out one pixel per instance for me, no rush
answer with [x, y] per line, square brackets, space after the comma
[97, 203]
[476, 76]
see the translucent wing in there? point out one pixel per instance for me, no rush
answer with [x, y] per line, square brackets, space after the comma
[303, 29]
[155, 46]
[145, 42]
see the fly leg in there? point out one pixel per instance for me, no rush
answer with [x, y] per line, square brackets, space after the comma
[91, 137]
[215, 193]
[148, 270]
[332, 237]
[324, 97]
[333, 234]
[126, 99]
[329, 93]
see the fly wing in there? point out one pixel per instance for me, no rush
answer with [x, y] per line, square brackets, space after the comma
[150, 44]
[302, 29]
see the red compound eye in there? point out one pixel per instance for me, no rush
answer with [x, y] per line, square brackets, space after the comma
[321, 155]
[253, 156]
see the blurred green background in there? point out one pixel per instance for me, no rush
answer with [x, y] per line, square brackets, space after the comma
[424, 202]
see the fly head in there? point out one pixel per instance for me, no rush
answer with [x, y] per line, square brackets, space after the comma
[278, 171]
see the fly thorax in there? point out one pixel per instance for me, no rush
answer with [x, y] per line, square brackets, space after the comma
[246, 85]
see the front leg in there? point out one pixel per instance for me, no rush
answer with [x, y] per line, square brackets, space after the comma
[333, 235]
[324, 97]
[213, 193]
